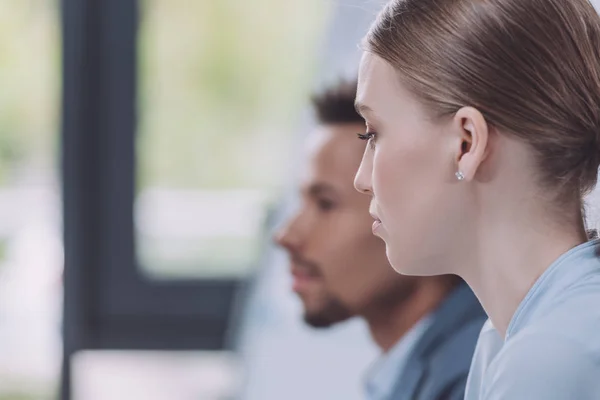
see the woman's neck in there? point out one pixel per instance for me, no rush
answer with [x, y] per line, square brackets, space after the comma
[510, 260]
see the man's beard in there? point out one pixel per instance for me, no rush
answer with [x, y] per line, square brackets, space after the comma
[331, 313]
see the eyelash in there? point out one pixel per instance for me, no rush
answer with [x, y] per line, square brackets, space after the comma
[369, 136]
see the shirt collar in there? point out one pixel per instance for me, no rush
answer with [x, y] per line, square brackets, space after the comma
[563, 272]
[382, 376]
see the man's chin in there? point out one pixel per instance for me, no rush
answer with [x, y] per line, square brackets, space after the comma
[327, 318]
[319, 321]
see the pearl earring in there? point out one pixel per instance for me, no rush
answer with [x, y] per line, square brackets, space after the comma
[460, 176]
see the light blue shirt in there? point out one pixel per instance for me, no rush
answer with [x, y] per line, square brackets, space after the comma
[384, 374]
[552, 346]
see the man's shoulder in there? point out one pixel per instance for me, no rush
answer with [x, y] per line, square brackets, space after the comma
[458, 347]
[447, 362]
[454, 333]
[455, 342]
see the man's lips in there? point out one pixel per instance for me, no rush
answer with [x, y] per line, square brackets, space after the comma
[304, 273]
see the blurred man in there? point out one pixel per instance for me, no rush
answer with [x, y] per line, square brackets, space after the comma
[425, 327]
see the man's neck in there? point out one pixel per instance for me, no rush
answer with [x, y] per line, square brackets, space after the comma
[390, 323]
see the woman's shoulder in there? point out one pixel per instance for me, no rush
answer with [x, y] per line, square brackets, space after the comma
[572, 326]
[538, 364]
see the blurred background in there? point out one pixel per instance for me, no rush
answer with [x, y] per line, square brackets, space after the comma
[147, 151]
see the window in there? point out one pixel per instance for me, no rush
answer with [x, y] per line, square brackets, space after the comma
[174, 113]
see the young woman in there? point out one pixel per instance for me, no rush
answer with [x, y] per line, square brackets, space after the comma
[483, 122]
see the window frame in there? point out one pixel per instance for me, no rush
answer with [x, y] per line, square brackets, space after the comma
[108, 303]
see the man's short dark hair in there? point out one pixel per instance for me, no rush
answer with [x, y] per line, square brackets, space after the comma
[335, 104]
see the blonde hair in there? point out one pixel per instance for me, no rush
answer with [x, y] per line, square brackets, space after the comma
[531, 67]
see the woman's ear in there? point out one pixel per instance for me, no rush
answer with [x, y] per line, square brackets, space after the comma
[473, 133]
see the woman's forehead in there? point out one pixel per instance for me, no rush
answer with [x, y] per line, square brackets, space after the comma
[377, 79]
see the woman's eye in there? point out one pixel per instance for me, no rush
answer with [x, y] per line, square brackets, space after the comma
[369, 136]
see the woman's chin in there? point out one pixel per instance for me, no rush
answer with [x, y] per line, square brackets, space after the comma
[410, 266]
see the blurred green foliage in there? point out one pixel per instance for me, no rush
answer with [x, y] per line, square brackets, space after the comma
[24, 396]
[222, 86]
[29, 84]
